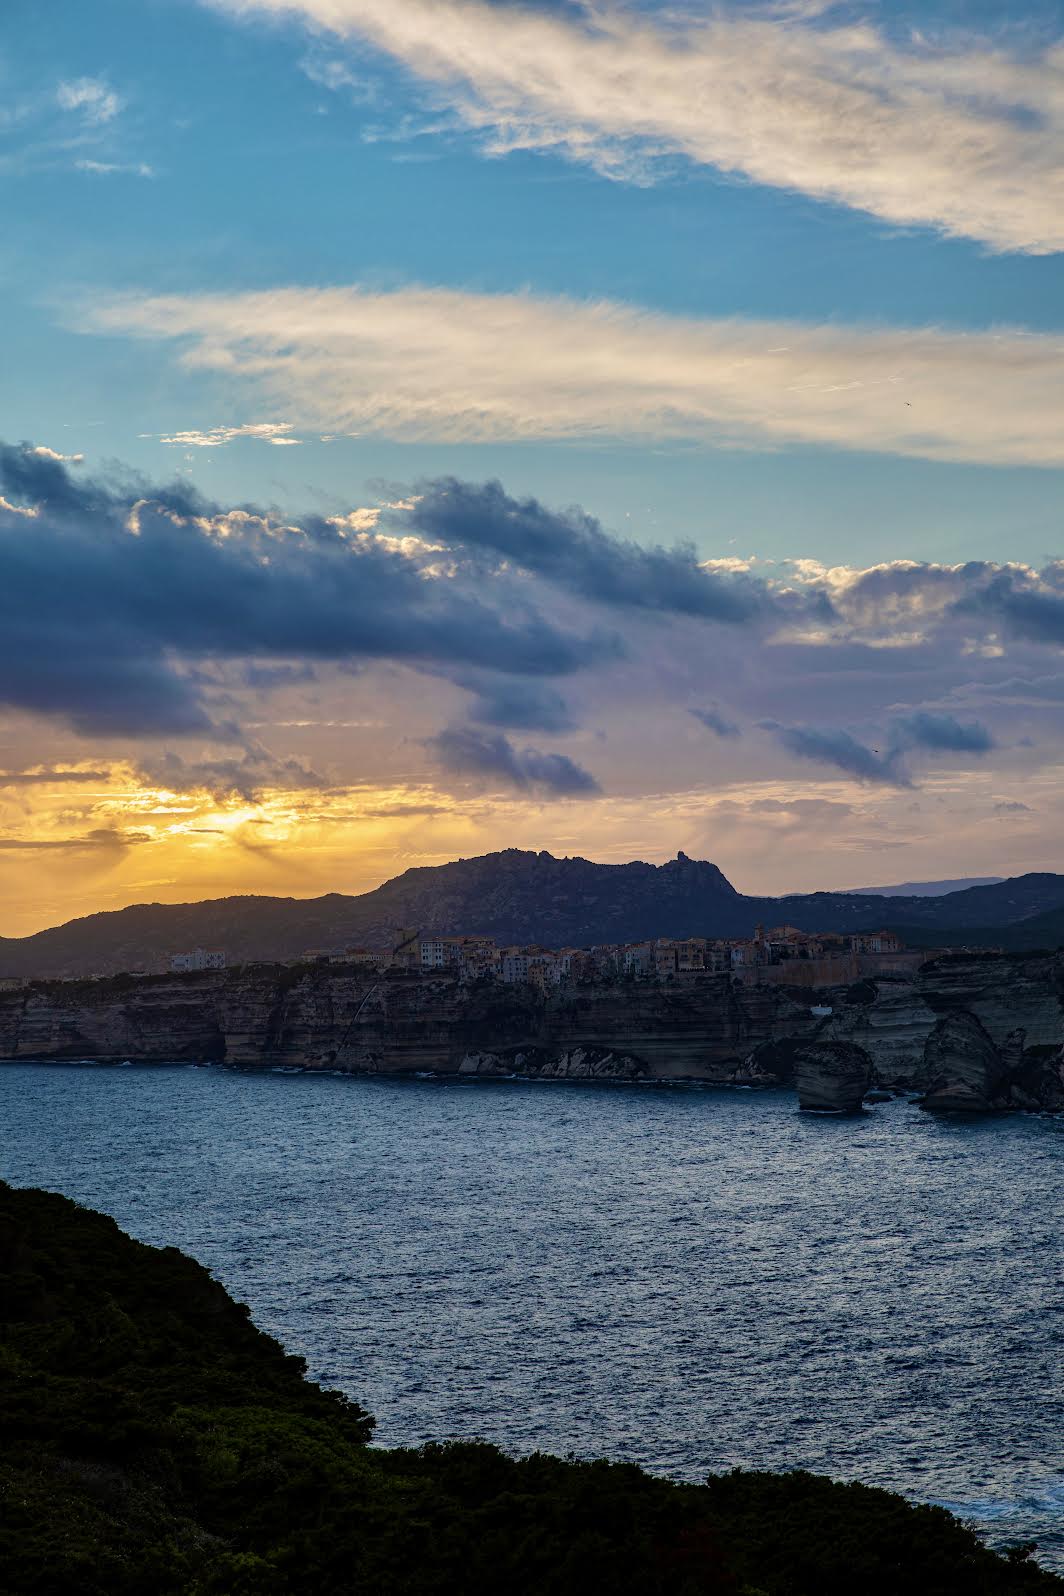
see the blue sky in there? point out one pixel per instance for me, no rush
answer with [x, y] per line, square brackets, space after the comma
[162, 160]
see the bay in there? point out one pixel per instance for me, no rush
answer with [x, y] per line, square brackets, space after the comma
[686, 1278]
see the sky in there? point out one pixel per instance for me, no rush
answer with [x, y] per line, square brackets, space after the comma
[434, 426]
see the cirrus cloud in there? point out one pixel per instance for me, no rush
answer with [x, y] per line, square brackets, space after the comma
[435, 363]
[953, 132]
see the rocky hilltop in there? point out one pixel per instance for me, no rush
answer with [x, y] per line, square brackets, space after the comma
[516, 897]
[970, 1032]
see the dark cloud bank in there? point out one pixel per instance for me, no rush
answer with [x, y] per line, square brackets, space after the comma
[97, 608]
[115, 592]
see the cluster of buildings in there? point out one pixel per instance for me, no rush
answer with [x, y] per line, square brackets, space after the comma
[782, 954]
[197, 959]
[662, 957]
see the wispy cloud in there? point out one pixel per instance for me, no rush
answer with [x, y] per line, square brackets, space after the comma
[437, 363]
[714, 721]
[275, 432]
[76, 124]
[958, 133]
[91, 97]
[113, 168]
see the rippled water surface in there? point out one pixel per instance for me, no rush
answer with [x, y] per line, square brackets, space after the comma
[687, 1278]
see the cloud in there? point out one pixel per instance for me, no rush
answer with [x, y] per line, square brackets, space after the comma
[902, 602]
[115, 168]
[275, 432]
[804, 809]
[267, 678]
[106, 838]
[43, 777]
[944, 130]
[244, 778]
[939, 732]
[1028, 604]
[833, 746]
[467, 751]
[110, 593]
[91, 97]
[423, 363]
[571, 548]
[920, 730]
[45, 453]
[714, 721]
[520, 705]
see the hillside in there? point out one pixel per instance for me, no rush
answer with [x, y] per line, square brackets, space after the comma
[152, 1439]
[514, 896]
[1038, 931]
[926, 889]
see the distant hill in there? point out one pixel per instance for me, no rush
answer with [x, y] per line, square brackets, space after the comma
[925, 889]
[514, 896]
[1039, 931]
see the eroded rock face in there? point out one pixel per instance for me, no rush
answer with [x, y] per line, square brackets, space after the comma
[980, 1030]
[832, 1076]
[568, 1064]
[893, 1029]
[965, 1069]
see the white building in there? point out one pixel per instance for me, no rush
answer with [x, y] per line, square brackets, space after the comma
[638, 959]
[437, 953]
[513, 966]
[197, 959]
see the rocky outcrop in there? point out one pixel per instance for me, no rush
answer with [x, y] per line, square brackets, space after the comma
[965, 1069]
[564, 1064]
[892, 1029]
[832, 1077]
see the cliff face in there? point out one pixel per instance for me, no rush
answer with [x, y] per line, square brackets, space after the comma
[979, 1032]
[335, 1018]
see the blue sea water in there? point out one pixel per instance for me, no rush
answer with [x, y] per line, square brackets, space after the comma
[687, 1278]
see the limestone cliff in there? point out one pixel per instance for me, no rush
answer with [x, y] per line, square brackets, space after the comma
[977, 1031]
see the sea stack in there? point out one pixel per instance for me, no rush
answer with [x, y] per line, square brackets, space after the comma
[963, 1067]
[832, 1077]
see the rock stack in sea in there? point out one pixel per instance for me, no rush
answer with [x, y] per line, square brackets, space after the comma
[832, 1076]
[964, 1067]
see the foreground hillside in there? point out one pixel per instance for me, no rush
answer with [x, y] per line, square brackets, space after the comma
[516, 897]
[154, 1439]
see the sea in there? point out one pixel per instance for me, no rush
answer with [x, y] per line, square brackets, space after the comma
[689, 1278]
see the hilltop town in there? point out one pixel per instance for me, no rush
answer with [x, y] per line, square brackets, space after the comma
[782, 953]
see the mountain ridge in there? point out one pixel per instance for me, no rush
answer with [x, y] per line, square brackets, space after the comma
[926, 889]
[514, 895]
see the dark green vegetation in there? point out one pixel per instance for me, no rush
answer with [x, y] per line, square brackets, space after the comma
[515, 896]
[154, 1440]
[1040, 932]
